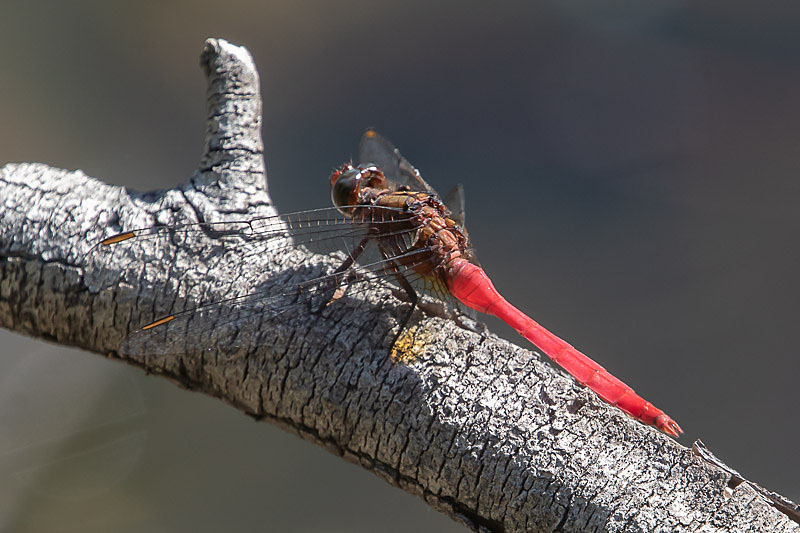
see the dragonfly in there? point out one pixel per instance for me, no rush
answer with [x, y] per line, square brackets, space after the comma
[381, 204]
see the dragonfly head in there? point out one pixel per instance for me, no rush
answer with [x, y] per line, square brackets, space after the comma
[347, 182]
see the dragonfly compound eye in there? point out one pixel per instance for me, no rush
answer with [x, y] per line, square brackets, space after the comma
[345, 186]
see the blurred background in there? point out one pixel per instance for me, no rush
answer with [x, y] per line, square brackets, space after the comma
[631, 175]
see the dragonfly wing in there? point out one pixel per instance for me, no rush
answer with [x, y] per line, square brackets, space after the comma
[226, 325]
[377, 150]
[238, 243]
[241, 321]
[455, 203]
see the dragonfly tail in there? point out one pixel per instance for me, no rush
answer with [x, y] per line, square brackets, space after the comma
[470, 285]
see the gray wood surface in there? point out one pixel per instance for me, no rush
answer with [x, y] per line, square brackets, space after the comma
[481, 429]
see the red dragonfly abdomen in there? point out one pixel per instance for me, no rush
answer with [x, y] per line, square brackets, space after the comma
[472, 287]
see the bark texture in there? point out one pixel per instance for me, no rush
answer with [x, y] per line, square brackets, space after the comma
[479, 428]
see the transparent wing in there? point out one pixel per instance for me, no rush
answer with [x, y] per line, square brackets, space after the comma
[455, 203]
[238, 242]
[239, 322]
[183, 254]
[377, 150]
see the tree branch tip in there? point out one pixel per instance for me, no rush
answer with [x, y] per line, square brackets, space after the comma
[216, 48]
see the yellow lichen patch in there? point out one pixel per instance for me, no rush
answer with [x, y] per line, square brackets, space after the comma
[409, 346]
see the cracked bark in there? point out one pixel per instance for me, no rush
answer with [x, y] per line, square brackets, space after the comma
[482, 430]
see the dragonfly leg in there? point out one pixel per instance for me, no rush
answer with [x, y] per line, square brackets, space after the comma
[337, 279]
[352, 256]
[470, 323]
[412, 298]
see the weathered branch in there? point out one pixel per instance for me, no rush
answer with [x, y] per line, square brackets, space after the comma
[481, 429]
